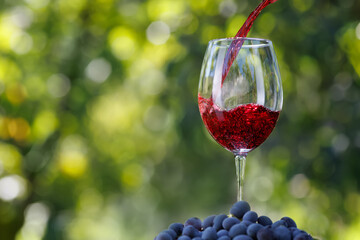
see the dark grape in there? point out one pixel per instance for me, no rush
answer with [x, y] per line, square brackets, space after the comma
[218, 220]
[289, 222]
[208, 222]
[250, 216]
[209, 234]
[239, 209]
[191, 231]
[164, 236]
[303, 236]
[224, 238]
[222, 232]
[253, 229]
[177, 227]
[242, 237]
[278, 224]
[246, 223]
[229, 222]
[264, 220]
[184, 238]
[300, 237]
[237, 229]
[171, 232]
[282, 233]
[295, 231]
[265, 234]
[194, 221]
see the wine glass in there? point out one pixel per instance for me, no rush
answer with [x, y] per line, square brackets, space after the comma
[240, 110]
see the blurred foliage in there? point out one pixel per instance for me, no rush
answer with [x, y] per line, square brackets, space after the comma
[100, 133]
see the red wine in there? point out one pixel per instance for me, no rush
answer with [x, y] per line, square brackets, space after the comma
[240, 129]
[243, 31]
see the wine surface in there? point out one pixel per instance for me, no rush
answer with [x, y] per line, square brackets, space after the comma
[240, 129]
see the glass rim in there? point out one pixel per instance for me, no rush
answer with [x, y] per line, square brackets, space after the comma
[262, 42]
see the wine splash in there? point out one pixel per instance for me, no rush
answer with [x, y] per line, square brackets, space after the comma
[237, 43]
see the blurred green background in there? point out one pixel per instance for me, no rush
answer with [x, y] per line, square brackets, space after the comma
[101, 137]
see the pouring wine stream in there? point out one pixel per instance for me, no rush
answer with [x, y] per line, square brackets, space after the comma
[237, 43]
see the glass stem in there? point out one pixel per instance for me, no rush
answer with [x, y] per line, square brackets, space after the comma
[240, 161]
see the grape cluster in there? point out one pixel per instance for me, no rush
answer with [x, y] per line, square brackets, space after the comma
[241, 224]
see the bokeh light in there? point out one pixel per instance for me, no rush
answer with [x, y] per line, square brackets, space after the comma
[158, 32]
[58, 85]
[98, 70]
[12, 187]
